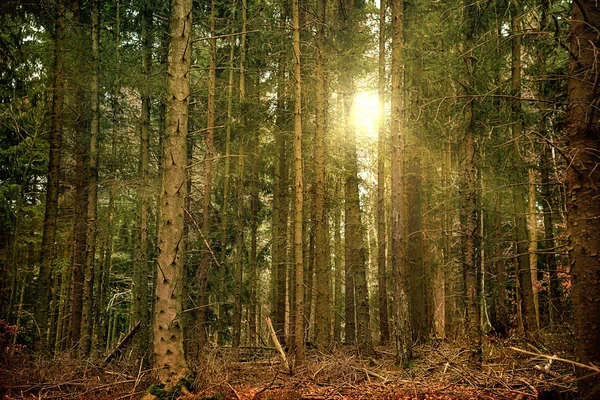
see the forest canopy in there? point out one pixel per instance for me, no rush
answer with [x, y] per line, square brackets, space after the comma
[179, 177]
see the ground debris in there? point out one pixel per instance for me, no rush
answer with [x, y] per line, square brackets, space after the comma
[440, 371]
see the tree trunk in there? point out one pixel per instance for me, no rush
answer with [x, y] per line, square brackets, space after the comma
[416, 267]
[169, 357]
[280, 210]
[338, 268]
[81, 185]
[519, 192]
[298, 193]
[322, 270]
[583, 175]
[384, 327]
[398, 257]
[206, 254]
[548, 244]
[53, 180]
[89, 307]
[140, 292]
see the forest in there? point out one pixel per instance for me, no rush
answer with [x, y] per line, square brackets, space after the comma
[299, 199]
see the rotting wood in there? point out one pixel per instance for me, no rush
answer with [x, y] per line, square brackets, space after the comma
[121, 344]
[278, 345]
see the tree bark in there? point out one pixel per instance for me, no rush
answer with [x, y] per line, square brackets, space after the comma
[169, 357]
[402, 326]
[298, 193]
[140, 292]
[53, 182]
[81, 185]
[322, 270]
[519, 190]
[583, 175]
[384, 326]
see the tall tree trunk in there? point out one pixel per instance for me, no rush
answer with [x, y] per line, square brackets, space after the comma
[238, 275]
[169, 357]
[519, 190]
[89, 307]
[416, 267]
[202, 315]
[140, 288]
[338, 267]
[532, 249]
[349, 253]
[322, 270]
[548, 244]
[398, 257]
[384, 326]
[583, 175]
[253, 273]
[280, 209]
[449, 298]
[207, 255]
[53, 180]
[239, 240]
[469, 210]
[299, 192]
[501, 309]
[81, 190]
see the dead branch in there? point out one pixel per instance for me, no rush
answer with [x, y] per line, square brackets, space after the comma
[278, 345]
[590, 366]
[121, 344]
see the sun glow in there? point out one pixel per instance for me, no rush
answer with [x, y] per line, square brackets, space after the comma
[366, 113]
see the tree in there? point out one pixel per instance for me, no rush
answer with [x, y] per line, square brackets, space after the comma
[322, 315]
[53, 185]
[169, 357]
[381, 179]
[299, 350]
[583, 175]
[398, 258]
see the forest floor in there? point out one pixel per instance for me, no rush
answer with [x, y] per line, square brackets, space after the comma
[440, 371]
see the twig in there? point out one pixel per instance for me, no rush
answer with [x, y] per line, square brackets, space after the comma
[269, 385]
[278, 345]
[237, 396]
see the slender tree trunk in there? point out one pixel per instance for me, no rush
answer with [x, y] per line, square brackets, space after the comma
[169, 357]
[202, 315]
[207, 255]
[89, 308]
[81, 190]
[253, 273]
[349, 252]
[501, 310]
[469, 210]
[322, 270]
[398, 257]
[338, 268]
[519, 191]
[280, 210]
[298, 193]
[449, 298]
[532, 217]
[53, 181]
[384, 327]
[140, 292]
[239, 248]
[416, 267]
[554, 291]
[583, 175]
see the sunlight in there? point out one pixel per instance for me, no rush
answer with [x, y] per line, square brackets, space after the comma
[366, 113]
